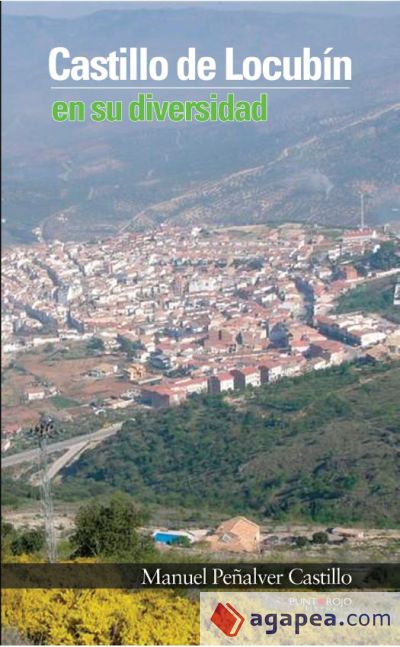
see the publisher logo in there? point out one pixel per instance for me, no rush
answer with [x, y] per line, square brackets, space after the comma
[307, 619]
[227, 619]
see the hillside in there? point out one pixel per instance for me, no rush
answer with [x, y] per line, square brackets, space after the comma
[376, 296]
[322, 447]
[86, 181]
[316, 179]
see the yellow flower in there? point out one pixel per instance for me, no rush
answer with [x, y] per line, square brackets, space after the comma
[101, 617]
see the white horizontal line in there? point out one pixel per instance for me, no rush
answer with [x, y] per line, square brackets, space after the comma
[196, 87]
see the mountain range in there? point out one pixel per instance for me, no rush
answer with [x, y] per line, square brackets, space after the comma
[309, 162]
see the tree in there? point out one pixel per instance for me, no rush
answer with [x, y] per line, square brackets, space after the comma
[8, 534]
[20, 542]
[320, 537]
[128, 346]
[28, 542]
[7, 530]
[95, 345]
[111, 530]
[385, 258]
[183, 542]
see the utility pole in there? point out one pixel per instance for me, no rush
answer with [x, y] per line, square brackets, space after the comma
[362, 220]
[42, 431]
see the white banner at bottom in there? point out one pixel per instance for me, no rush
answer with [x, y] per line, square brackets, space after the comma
[291, 618]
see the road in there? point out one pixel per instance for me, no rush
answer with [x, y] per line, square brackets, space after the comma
[68, 457]
[31, 455]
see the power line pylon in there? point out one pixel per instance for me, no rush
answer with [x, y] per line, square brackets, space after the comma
[42, 431]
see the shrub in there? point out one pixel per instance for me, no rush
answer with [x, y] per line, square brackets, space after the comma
[320, 537]
[101, 617]
[28, 542]
[301, 541]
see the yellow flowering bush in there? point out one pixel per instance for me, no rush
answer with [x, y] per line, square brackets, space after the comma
[101, 617]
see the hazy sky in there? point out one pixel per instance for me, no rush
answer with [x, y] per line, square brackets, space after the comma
[73, 8]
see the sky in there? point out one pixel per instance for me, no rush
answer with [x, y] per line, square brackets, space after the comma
[75, 8]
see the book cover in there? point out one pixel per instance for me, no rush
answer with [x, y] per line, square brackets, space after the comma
[200, 319]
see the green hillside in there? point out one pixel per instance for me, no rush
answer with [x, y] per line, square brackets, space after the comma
[322, 447]
[376, 296]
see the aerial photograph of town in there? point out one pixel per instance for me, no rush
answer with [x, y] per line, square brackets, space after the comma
[200, 322]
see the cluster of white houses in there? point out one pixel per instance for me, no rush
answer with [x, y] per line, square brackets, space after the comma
[356, 329]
